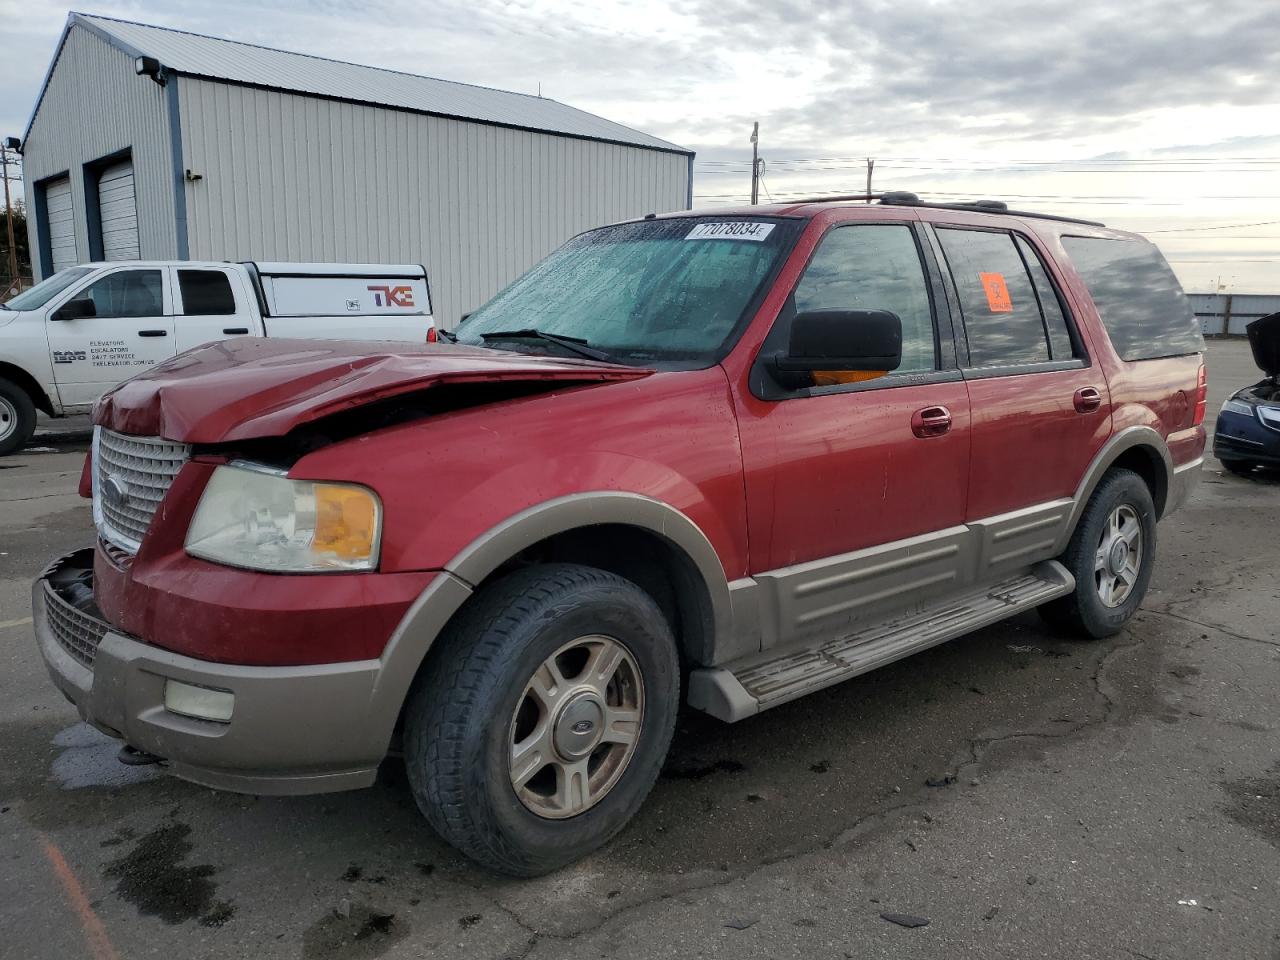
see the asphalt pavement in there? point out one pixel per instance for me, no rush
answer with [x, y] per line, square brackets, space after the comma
[1027, 795]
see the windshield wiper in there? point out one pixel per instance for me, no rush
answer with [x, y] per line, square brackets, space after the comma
[578, 345]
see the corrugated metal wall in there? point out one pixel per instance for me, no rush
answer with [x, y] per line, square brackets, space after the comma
[1229, 313]
[289, 177]
[94, 106]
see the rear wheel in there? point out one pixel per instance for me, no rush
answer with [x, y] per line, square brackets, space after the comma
[1110, 555]
[542, 722]
[1241, 468]
[17, 417]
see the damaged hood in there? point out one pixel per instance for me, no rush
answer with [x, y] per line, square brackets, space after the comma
[1264, 337]
[253, 387]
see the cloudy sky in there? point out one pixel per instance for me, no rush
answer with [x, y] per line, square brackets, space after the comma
[1156, 115]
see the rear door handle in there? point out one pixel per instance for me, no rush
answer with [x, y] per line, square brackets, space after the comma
[232, 331]
[931, 422]
[1086, 400]
[153, 333]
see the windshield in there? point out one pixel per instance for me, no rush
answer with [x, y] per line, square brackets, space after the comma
[639, 292]
[47, 289]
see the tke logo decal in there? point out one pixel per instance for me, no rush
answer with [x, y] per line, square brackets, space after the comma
[392, 296]
[69, 356]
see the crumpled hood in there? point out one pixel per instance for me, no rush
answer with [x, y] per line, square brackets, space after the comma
[253, 387]
[1264, 337]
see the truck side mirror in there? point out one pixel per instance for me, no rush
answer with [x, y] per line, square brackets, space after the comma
[839, 341]
[79, 309]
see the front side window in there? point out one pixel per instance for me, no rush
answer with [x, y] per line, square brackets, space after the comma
[874, 267]
[127, 293]
[1138, 298]
[657, 290]
[206, 293]
[1002, 319]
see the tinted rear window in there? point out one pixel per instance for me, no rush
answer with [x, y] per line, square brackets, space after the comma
[1139, 299]
[206, 293]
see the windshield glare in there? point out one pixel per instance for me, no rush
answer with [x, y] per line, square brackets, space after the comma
[47, 289]
[654, 290]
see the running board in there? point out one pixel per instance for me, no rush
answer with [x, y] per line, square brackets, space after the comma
[742, 689]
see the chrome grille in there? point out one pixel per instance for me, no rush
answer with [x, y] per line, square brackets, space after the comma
[77, 633]
[131, 475]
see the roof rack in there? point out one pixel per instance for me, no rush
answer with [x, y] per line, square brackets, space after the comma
[904, 198]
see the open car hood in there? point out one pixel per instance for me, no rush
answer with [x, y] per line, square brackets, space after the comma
[1264, 337]
[253, 387]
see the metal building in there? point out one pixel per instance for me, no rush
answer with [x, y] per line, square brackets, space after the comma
[153, 143]
[1227, 314]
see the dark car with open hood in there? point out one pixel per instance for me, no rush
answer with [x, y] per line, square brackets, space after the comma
[720, 460]
[1247, 435]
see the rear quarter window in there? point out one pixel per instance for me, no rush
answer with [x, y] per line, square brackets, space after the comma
[1138, 298]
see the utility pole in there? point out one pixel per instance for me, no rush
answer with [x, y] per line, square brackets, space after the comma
[8, 220]
[755, 163]
[871, 165]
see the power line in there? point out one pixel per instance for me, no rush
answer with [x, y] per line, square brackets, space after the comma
[1077, 162]
[1224, 226]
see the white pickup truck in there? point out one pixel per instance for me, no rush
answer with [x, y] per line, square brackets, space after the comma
[72, 337]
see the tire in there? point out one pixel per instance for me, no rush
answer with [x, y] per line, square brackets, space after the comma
[1085, 612]
[477, 693]
[17, 417]
[1241, 468]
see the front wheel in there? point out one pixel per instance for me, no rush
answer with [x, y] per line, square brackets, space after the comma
[544, 717]
[1110, 555]
[17, 417]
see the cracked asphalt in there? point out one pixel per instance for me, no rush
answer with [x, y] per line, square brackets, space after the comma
[1030, 796]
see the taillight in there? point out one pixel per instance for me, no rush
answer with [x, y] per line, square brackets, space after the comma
[1202, 396]
[432, 338]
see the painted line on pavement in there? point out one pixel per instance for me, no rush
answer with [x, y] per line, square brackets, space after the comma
[95, 934]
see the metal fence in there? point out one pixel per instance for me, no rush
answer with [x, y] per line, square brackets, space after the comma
[1227, 314]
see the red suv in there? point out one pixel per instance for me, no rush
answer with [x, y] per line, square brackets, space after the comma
[727, 459]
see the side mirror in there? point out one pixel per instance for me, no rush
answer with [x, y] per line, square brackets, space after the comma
[839, 340]
[79, 309]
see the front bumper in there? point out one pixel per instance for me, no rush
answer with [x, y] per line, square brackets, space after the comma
[294, 729]
[1240, 437]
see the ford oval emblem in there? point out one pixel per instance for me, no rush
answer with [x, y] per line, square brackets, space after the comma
[583, 726]
[115, 491]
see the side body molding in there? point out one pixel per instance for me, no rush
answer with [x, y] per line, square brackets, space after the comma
[446, 594]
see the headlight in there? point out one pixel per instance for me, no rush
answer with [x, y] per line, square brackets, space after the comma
[1235, 406]
[261, 520]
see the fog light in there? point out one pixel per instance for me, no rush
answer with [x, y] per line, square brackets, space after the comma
[199, 702]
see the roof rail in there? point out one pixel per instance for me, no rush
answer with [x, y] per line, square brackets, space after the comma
[905, 198]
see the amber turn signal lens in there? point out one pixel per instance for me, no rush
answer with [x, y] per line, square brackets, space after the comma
[830, 378]
[346, 521]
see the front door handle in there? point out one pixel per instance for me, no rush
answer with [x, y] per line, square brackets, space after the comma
[153, 333]
[1086, 400]
[931, 422]
[232, 331]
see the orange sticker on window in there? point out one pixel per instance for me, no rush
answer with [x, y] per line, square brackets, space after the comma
[997, 293]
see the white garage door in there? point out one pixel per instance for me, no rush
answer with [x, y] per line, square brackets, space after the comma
[118, 212]
[62, 224]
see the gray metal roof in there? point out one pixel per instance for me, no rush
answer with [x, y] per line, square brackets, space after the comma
[231, 61]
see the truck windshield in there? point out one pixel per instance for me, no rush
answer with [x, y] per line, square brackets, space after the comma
[656, 290]
[47, 289]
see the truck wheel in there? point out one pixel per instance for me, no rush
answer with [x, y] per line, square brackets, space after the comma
[1110, 555]
[544, 717]
[1241, 468]
[17, 417]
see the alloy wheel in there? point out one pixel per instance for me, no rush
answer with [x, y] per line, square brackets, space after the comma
[576, 727]
[1118, 559]
[8, 418]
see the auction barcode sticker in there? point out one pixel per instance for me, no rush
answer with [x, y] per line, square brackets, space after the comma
[733, 230]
